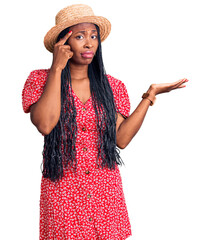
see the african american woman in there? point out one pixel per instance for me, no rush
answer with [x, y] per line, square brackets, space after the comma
[84, 115]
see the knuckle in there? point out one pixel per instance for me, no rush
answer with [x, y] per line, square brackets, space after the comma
[61, 48]
[153, 86]
[56, 45]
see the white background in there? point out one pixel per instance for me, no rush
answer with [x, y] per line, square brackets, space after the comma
[166, 177]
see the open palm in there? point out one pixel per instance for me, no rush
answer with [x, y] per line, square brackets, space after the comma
[167, 87]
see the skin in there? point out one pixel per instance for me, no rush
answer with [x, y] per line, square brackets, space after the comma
[81, 38]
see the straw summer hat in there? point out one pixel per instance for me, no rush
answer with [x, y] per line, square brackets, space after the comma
[72, 15]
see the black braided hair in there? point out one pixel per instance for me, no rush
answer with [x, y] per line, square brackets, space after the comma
[59, 146]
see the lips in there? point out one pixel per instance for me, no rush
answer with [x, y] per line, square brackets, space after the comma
[87, 54]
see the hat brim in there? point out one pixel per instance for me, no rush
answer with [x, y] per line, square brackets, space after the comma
[52, 35]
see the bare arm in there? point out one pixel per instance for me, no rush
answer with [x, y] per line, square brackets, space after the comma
[46, 112]
[127, 128]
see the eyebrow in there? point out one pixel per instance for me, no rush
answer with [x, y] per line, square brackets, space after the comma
[85, 31]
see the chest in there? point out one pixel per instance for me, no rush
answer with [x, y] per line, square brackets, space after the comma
[86, 117]
[82, 90]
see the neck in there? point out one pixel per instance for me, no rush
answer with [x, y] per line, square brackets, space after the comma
[78, 72]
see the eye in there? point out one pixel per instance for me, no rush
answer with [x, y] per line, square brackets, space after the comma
[94, 36]
[79, 37]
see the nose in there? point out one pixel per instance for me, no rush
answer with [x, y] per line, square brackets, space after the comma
[88, 44]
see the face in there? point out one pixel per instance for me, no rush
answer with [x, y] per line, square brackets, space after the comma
[83, 43]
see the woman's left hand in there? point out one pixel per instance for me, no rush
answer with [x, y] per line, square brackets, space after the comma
[167, 87]
[127, 128]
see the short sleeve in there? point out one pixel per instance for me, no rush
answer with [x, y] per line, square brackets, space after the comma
[121, 96]
[33, 88]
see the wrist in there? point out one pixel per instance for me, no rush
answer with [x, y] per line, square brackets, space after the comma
[152, 90]
[150, 95]
[56, 69]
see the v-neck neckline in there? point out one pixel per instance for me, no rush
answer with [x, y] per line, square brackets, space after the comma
[80, 99]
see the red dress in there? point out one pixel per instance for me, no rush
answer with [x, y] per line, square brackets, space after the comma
[88, 204]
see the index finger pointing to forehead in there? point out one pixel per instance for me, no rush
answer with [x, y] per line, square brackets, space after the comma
[63, 40]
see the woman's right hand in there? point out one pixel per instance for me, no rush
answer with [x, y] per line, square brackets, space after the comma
[62, 53]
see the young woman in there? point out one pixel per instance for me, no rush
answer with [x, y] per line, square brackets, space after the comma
[83, 114]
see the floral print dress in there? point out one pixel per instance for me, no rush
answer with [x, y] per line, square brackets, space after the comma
[88, 204]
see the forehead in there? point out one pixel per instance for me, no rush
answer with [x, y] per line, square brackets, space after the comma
[83, 26]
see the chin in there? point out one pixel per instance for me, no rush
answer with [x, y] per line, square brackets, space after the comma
[83, 61]
[87, 61]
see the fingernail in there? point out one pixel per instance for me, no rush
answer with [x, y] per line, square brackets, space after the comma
[70, 31]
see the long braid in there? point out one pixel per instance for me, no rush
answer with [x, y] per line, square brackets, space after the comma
[105, 109]
[59, 147]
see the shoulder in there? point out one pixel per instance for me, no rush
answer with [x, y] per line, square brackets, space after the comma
[41, 71]
[117, 85]
[36, 79]
[38, 75]
[120, 95]
[33, 87]
[114, 82]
